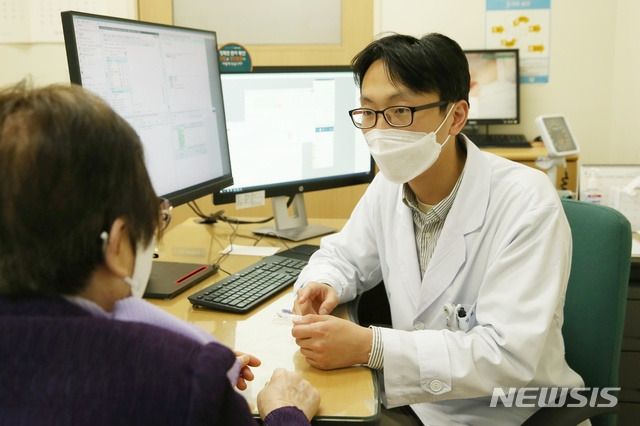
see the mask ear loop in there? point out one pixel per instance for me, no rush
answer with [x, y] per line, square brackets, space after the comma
[442, 124]
[445, 117]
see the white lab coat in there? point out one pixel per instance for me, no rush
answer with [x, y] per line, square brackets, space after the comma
[504, 255]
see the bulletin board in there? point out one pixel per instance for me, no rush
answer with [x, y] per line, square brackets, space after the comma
[260, 22]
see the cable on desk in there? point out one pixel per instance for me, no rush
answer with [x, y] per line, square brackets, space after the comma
[565, 180]
[232, 237]
[243, 222]
[219, 216]
[206, 218]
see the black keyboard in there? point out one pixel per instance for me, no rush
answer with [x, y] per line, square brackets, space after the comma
[500, 141]
[254, 284]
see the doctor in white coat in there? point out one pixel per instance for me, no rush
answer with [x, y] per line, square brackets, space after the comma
[474, 251]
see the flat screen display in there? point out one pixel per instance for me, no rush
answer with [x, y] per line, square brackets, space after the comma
[494, 95]
[290, 132]
[165, 82]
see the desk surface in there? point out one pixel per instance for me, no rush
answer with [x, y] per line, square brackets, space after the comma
[349, 393]
[524, 154]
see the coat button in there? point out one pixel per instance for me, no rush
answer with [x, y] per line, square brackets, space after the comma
[418, 325]
[435, 385]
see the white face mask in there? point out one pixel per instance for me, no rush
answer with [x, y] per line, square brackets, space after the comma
[403, 155]
[141, 268]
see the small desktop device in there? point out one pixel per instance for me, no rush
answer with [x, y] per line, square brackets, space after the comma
[165, 82]
[557, 135]
[289, 133]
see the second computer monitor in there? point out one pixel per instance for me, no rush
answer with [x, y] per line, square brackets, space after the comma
[494, 97]
[289, 133]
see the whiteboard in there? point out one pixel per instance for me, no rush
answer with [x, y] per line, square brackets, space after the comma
[264, 22]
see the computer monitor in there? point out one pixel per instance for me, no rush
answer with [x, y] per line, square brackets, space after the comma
[289, 133]
[165, 82]
[494, 96]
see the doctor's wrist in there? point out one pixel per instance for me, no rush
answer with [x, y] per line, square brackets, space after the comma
[376, 354]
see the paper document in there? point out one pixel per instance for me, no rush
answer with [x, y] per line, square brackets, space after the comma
[250, 250]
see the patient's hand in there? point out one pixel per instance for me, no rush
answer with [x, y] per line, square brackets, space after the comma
[286, 389]
[246, 375]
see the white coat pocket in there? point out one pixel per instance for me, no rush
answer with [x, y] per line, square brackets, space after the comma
[465, 317]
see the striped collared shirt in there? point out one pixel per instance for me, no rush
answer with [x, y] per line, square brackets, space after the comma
[428, 221]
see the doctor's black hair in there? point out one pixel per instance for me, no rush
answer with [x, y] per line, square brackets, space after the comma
[431, 64]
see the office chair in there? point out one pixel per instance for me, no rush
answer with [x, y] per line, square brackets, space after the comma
[594, 307]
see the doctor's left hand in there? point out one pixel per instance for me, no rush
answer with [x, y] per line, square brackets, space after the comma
[328, 342]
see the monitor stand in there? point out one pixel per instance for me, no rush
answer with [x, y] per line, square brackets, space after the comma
[550, 165]
[296, 227]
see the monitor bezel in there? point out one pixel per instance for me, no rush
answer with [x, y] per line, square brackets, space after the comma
[516, 120]
[181, 196]
[293, 188]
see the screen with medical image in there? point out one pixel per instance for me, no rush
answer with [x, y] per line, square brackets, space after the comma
[494, 91]
[165, 82]
[289, 131]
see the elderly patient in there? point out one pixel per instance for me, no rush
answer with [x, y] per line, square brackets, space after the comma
[78, 219]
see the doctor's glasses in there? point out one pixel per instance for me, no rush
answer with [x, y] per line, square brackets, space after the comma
[396, 116]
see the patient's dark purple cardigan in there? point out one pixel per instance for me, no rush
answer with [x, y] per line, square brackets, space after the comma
[59, 365]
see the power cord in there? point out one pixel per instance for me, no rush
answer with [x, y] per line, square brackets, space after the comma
[219, 216]
[206, 219]
[565, 180]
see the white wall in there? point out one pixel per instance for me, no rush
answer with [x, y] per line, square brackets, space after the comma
[594, 57]
[624, 141]
[44, 63]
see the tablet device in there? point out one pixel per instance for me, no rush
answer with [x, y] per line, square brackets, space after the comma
[169, 279]
[557, 136]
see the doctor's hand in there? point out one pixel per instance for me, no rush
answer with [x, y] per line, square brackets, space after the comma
[328, 342]
[315, 298]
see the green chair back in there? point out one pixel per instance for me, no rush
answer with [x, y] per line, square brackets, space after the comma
[597, 292]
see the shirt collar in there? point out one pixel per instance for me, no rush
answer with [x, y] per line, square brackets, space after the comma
[440, 210]
[89, 306]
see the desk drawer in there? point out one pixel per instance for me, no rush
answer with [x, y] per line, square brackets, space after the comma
[633, 291]
[629, 414]
[631, 344]
[629, 376]
[632, 319]
[629, 395]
